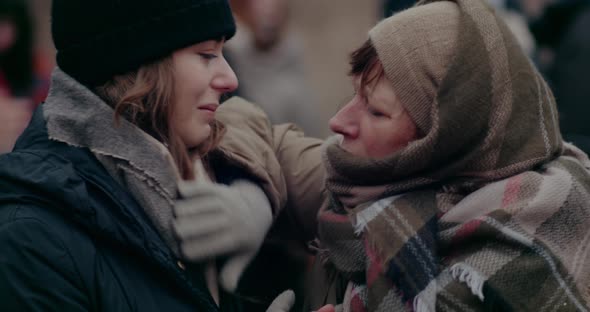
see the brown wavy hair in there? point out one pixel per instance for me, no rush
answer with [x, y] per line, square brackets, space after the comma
[364, 62]
[144, 98]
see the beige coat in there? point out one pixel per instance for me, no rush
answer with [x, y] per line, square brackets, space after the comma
[287, 164]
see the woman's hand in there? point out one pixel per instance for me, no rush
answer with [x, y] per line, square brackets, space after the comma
[213, 220]
[283, 302]
[327, 308]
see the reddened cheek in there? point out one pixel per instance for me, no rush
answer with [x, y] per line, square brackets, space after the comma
[410, 128]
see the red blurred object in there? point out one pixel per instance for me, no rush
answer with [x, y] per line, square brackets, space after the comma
[15, 114]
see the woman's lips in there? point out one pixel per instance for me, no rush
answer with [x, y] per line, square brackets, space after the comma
[209, 107]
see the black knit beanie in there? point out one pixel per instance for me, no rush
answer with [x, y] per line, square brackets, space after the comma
[99, 39]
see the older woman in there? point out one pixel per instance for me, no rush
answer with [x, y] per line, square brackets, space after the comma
[450, 186]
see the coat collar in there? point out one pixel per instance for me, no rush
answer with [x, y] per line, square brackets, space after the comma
[78, 117]
[70, 181]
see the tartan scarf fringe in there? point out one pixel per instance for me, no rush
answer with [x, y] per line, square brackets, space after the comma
[472, 278]
[461, 272]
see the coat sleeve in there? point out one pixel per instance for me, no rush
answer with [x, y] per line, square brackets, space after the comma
[287, 164]
[36, 270]
[300, 160]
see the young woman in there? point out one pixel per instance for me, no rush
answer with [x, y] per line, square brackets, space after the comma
[451, 187]
[106, 202]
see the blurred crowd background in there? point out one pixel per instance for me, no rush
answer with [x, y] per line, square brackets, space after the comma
[292, 56]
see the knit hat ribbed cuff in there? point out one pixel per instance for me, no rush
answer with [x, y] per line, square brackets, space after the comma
[96, 60]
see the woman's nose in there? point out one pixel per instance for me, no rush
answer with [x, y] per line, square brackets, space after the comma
[345, 122]
[226, 80]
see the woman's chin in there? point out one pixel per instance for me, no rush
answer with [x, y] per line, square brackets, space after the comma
[351, 150]
[198, 136]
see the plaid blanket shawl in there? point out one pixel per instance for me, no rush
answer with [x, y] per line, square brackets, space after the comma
[517, 244]
[488, 211]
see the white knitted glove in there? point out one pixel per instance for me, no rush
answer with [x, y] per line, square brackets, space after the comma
[283, 302]
[214, 220]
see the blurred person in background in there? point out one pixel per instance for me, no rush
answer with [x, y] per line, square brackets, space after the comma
[449, 185]
[532, 9]
[563, 33]
[132, 189]
[23, 83]
[393, 6]
[510, 11]
[267, 56]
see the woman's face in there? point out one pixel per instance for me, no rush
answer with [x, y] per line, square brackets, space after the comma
[374, 123]
[201, 76]
[8, 34]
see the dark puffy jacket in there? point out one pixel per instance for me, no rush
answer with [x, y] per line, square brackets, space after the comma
[71, 239]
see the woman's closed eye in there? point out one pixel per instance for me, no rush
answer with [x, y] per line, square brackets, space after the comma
[207, 56]
[376, 113]
[373, 111]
